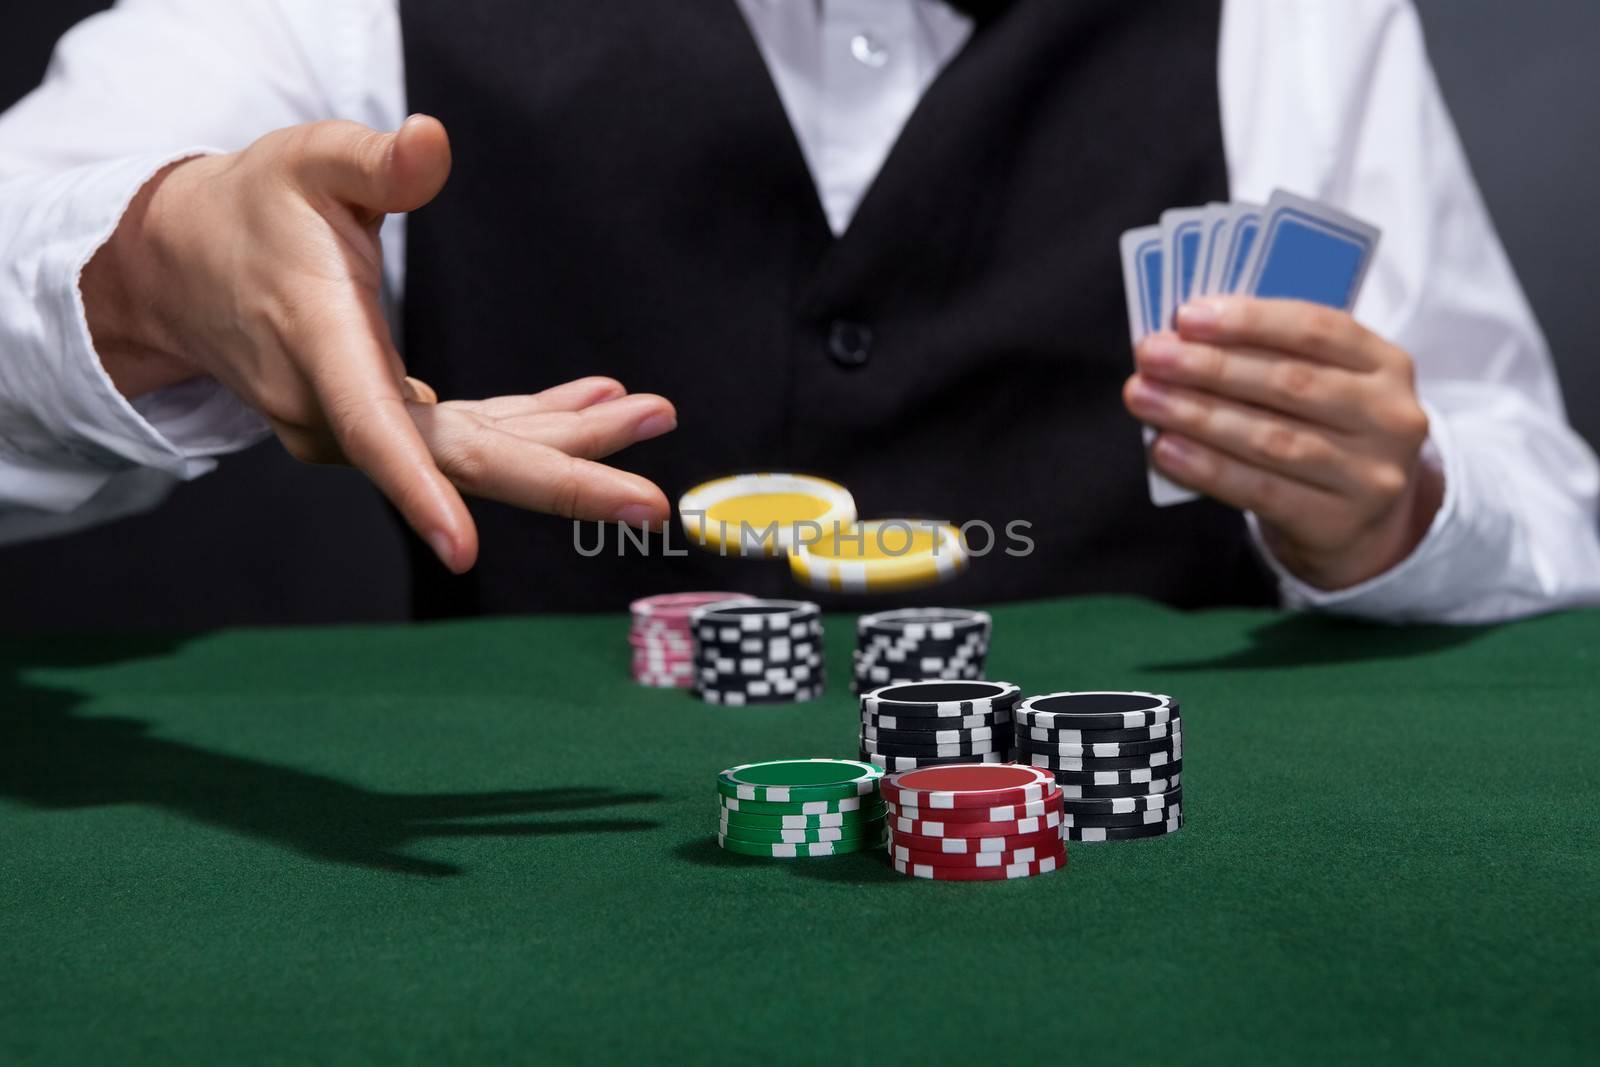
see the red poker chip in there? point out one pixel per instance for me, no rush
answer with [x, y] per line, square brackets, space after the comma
[968, 846]
[981, 874]
[677, 605]
[1054, 849]
[967, 785]
[1012, 828]
[1000, 813]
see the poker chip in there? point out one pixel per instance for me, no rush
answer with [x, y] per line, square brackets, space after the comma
[1076, 791]
[1125, 833]
[941, 699]
[797, 850]
[757, 652]
[915, 644]
[878, 556]
[1132, 818]
[1124, 804]
[984, 747]
[736, 817]
[1155, 761]
[1068, 736]
[1096, 710]
[911, 763]
[965, 845]
[1130, 776]
[763, 514]
[799, 780]
[966, 786]
[661, 640]
[806, 836]
[801, 807]
[1099, 749]
[947, 873]
[913, 724]
[1052, 846]
[943, 828]
[1050, 802]
[924, 738]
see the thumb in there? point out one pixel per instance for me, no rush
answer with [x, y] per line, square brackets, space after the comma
[379, 172]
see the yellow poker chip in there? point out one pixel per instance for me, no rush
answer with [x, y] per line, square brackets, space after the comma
[764, 514]
[880, 555]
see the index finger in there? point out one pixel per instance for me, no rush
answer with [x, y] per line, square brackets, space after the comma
[1313, 331]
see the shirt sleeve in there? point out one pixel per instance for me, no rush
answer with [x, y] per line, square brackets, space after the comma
[1339, 101]
[128, 92]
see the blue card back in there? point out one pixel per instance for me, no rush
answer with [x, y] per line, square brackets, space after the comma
[1311, 252]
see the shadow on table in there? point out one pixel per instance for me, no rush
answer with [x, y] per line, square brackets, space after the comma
[53, 758]
[854, 868]
[1319, 640]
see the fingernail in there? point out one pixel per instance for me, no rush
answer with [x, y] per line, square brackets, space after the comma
[654, 426]
[1200, 315]
[1149, 395]
[635, 515]
[1161, 351]
[443, 547]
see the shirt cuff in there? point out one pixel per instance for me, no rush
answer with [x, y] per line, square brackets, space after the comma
[64, 414]
[1408, 590]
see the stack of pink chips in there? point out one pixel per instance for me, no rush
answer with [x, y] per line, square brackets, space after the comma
[663, 645]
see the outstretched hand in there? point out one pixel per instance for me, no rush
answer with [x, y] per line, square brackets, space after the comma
[263, 269]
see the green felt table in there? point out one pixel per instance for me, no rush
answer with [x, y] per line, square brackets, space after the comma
[479, 841]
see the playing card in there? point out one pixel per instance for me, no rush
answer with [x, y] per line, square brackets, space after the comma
[1212, 230]
[1143, 279]
[1292, 248]
[1309, 251]
[1182, 234]
[1235, 240]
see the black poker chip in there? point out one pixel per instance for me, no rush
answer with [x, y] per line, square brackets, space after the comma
[924, 724]
[1122, 805]
[955, 748]
[1052, 761]
[1064, 736]
[1148, 817]
[1122, 790]
[1097, 749]
[911, 763]
[1130, 775]
[925, 738]
[1124, 833]
[1097, 710]
[938, 698]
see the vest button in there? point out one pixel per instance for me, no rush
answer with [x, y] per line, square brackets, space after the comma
[849, 343]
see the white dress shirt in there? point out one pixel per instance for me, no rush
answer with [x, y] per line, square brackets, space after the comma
[1334, 99]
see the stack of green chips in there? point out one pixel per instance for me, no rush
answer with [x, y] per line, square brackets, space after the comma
[803, 807]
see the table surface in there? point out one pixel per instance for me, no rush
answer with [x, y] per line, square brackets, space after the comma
[472, 840]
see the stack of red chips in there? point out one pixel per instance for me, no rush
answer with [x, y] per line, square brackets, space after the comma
[974, 822]
[663, 646]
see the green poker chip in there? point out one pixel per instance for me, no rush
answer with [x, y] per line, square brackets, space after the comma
[796, 850]
[799, 780]
[756, 821]
[800, 807]
[840, 834]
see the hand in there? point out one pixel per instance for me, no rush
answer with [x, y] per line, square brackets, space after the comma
[263, 269]
[1295, 412]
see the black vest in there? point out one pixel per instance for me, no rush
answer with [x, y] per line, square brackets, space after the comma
[629, 199]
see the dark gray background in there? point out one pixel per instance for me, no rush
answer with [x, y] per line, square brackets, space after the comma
[274, 542]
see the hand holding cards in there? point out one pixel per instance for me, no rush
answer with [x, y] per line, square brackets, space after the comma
[1264, 393]
[1292, 249]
